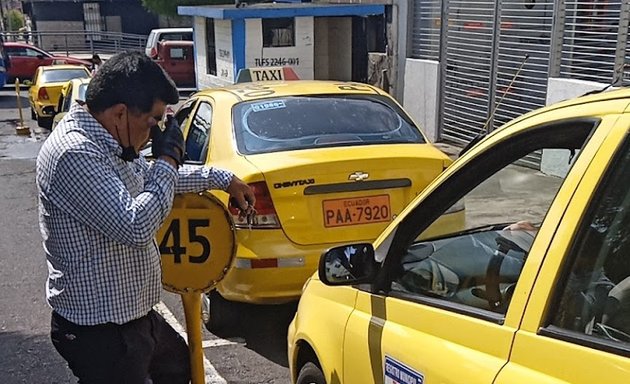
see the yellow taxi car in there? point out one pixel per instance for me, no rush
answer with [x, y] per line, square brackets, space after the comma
[45, 90]
[536, 289]
[329, 162]
[73, 91]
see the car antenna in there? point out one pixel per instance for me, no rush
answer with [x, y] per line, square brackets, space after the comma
[596, 91]
[484, 130]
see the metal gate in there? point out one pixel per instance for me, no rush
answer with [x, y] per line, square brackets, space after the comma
[495, 58]
[92, 19]
[468, 56]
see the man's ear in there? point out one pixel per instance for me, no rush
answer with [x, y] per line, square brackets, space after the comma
[117, 114]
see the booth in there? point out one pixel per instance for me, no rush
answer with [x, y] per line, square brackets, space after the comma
[318, 40]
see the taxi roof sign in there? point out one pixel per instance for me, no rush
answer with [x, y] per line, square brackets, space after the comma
[247, 75]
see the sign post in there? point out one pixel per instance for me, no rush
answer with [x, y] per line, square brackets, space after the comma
[197, 245]
[21, 129]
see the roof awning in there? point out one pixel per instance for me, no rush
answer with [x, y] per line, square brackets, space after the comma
[278, 10]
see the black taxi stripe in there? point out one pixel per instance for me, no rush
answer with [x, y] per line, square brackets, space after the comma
[355, 186]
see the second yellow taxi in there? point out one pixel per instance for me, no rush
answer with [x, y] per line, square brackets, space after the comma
[329, 162]
[45, 90]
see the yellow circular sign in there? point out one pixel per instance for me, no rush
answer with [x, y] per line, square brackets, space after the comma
[197, 243]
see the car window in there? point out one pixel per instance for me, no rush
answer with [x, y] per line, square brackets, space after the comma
[82, 91]
[304, 122]
[151, 39]
[475, 270]
[176, 53]
[66, 101]
[593, 297]
[169, 36]
[62, 75]
[183, 114]
[32, 52]
[198, 134]
[15, 51]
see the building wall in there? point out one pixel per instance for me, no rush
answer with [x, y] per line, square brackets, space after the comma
[321, 49]
[421, 96]
[300, 57]
[224, 50]
[54, 42]
[134, 18]
[204, 79]
[340, 48]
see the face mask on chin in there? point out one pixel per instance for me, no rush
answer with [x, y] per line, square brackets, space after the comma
[128, 152]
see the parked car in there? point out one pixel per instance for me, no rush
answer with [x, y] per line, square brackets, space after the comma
[72, 92]
[45, 90]
[164, 34]
[329, 162]
[178, 60]
[26, 58]
[536, 289]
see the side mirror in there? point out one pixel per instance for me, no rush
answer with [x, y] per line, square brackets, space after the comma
[348, 265]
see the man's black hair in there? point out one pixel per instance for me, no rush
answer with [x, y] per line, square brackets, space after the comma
[133, 79]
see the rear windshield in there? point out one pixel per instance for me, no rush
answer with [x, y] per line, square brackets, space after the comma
[303, 122]
[61, 75]
[176, 36]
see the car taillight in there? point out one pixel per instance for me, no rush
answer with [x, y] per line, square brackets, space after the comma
[42, 94]
[266, 216]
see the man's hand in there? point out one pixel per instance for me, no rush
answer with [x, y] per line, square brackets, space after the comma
[169, 142]
[242, 195]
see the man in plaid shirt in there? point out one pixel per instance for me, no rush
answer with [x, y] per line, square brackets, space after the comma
[100, 206]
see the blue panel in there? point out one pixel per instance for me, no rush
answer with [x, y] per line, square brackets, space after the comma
[238, 44]
[282, 10]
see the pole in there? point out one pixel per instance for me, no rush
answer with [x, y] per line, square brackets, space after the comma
[192, 312]
[20, 129]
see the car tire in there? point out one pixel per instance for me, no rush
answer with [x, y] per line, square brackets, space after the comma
[222, 314]
[44, 122]
[311, 374]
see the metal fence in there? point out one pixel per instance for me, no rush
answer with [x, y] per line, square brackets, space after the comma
[72, 42]
[497, 55]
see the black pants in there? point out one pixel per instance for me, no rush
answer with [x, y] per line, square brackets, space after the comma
[141, 351]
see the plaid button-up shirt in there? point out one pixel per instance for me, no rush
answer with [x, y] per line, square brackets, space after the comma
[98, 216]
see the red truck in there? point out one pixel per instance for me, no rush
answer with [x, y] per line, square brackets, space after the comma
[177, 59]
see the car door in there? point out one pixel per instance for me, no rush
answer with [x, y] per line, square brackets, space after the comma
[445, 310]
[27, 60]
[576, 327]
[33, 89]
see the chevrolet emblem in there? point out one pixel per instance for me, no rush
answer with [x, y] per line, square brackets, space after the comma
[358, 176]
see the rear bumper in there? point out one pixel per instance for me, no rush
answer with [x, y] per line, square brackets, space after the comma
[273, 284]
[44, 109]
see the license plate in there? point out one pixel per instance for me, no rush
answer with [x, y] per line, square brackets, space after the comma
[356, 210]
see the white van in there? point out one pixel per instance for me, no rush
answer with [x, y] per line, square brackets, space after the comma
[162, 34]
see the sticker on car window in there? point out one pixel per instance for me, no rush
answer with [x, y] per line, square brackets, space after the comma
[397, 372]
[278, 104]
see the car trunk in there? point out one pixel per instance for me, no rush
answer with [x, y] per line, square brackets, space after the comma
[333, 194]
[53, 90]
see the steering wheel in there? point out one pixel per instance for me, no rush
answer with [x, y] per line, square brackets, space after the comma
[506, 241]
